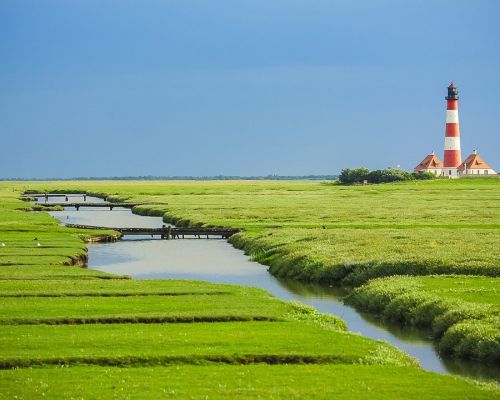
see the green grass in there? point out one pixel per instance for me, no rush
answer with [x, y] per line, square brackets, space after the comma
[53, 272]
[462, 311]
[231, 342]
[340, 382]
[249, 304]
[353, 256]
[252, 204]
[114, 287]
[349, 235]
[414, 228]
[470, 289]
[22, 231]
[283, 225]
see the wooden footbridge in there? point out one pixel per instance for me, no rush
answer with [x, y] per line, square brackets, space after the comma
[168, 232]
[98, 205]
[46, 195]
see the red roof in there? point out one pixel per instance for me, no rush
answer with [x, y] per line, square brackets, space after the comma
[452, 85]
[429, 162]
[474, 161]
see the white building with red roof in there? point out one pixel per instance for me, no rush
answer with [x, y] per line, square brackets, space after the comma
[474, 165]
[431, 164]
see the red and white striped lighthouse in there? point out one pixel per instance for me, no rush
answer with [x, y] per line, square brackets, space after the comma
[452, 155]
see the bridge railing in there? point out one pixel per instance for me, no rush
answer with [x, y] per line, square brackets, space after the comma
[166, 232]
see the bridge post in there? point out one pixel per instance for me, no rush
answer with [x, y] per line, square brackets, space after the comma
[169, 232]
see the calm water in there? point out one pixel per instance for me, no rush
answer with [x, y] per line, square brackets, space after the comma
[217, 261]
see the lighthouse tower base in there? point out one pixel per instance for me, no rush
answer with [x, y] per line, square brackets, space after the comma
[451, 173]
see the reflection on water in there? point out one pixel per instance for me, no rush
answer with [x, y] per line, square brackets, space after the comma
[217, 261]
[119, 218]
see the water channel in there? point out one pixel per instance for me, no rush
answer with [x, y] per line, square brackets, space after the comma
[217, 261]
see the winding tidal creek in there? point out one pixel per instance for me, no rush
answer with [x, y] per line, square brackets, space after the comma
[217, 261]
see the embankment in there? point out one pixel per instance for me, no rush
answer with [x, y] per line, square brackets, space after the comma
[464, 329]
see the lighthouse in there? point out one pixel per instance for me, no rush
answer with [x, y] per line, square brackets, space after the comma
[453, 167]
[452, 156]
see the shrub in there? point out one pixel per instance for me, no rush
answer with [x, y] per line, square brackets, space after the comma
[389, 175]
[355, 175]
[478, 340]
[423, 176]
[349, 176]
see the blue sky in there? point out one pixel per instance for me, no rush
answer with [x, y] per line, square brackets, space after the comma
[121, 88]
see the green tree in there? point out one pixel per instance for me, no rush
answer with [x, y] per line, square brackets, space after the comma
[353, 175]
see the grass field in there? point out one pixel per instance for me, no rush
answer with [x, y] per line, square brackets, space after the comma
[462, 311]
[111, 287]
[180, 343]
[117, 337]
[342, 382]
[331, 233]
[61, 273]
[350, 256]
[31, 238]
[126, 306]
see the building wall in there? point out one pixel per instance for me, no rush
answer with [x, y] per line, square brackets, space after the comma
[454, 173]
[476, 172]
[449, 172]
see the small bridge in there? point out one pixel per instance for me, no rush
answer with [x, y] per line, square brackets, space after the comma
[46, 196]
[167, 232]
[54, 195]
[101, 205]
